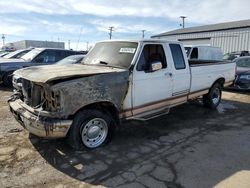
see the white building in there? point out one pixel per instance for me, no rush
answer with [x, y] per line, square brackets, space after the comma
[36, 44]
[230, 36]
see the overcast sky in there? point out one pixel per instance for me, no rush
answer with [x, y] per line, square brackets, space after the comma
[88, 20]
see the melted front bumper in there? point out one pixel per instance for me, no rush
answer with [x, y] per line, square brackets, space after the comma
[39, 125]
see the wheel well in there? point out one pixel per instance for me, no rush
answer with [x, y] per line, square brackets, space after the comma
[221, 81]
[104, 107]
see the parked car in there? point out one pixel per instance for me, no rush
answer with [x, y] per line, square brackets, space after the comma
[73, 59]
[37, 56]
[118, 80]
[231, 56]
[3, 54]
[16, 54]
[242, 78]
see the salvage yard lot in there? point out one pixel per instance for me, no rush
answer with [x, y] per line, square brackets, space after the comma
[191, 147]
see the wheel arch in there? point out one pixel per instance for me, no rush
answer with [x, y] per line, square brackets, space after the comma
[104, 106]
[208, 98]
[220, 80]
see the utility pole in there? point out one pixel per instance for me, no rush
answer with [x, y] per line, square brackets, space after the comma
[111, 29]
[3, 38]
[69, 44]
[183, 21]
[143, 33]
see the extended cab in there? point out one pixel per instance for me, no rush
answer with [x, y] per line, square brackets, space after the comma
[35, 57]
[117, 80]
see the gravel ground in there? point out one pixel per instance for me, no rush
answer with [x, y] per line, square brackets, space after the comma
[192, 147]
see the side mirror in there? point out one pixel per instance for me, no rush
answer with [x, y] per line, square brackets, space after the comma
[40, 60]
[155, 66]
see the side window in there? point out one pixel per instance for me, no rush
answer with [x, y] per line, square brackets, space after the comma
[151, 53]
[177, 55]
[60, 54]
[194, 54]
[48, 56]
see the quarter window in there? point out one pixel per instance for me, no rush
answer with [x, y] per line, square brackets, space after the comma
[177, 55]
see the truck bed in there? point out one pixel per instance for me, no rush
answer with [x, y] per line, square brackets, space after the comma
[204, 73]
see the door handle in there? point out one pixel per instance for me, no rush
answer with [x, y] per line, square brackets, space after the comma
[168, 74]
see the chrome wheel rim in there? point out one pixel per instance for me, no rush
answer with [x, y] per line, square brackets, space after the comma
[216, 96]
[94, 132]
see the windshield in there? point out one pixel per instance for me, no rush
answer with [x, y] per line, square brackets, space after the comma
[3, 54]
[230, 56]
[12, 54]
[243, 62]
[70, 60]
[114, 54]
[31, 54]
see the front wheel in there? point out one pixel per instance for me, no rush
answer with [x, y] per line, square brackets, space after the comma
[90, 129]
[213, 98]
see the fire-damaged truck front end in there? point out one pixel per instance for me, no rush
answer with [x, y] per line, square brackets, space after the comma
[37, 108]
[84, 102]
[45, 105]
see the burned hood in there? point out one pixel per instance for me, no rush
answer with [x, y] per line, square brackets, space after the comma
[47, 73]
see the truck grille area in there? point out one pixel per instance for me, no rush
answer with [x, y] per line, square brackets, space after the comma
[33, 94]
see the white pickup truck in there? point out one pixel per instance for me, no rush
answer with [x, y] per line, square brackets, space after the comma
[116, 80]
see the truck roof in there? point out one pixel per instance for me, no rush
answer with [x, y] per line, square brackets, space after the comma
[142, 40]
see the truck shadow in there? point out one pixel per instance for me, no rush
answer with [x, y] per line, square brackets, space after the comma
[4, 88]
[143, 154]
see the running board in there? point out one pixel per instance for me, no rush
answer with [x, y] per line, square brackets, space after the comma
[147, 116]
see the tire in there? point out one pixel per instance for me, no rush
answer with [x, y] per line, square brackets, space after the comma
[90, 129]
[7, 79]
[213, 98]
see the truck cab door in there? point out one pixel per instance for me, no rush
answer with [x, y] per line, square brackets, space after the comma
[181, 71]
[152, 79]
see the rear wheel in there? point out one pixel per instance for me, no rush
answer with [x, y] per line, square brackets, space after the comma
[7, 79]
[213, 98]
[91, 129]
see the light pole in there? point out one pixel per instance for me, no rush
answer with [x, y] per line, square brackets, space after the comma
[111, 29]
[3, 38]
[143, 33]
[183, 21]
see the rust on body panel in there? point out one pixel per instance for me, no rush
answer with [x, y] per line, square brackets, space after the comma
[78, 93]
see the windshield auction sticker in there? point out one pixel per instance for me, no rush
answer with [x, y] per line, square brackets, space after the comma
[127, 50]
